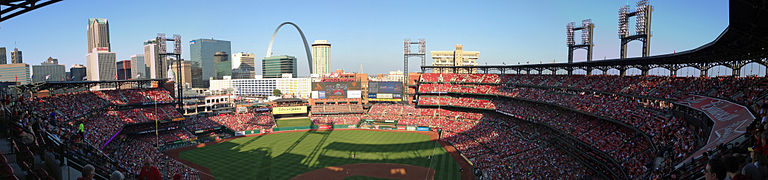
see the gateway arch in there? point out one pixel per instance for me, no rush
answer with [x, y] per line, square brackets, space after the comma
[303, 39]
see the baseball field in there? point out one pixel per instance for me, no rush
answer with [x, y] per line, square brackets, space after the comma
[341, 154]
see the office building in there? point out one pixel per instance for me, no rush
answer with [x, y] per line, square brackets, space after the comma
[50, 70]
[243, 66]
[186, 72]
[18, 73]
[276, 66]
[298, 87]
[138, 68]
[222, 64]
[157, 64]
[458, 57]
[101, 65]
[124, 70]
[98, 34]
[3, 57]
[77, 72]
[16, 56]
[202, 51]
[261, 87]
[321, 57]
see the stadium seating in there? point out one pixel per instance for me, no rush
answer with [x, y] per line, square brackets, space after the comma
[244, 121]
[335, 119]
[456, 102]
[337, 109]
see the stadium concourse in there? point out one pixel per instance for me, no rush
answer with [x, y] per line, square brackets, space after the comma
[519, 126]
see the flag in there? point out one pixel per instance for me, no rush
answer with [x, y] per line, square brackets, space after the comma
[47, 76]
[17, 78]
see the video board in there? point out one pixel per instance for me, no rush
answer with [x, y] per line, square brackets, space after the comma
[385, 91]
[335, 90]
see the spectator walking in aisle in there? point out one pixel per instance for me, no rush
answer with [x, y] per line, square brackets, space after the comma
[88, 173]
[116, 175]
[149, 172]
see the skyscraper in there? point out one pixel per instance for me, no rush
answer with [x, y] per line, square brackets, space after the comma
[202, 52]
[98, 34]
[50, 70]
[222, 64]
[276, 66]
[321, 57]
[101, 65]
[138, 68]
[18, 73]
[152, 59]
[16, 56]
[3, 59]
[77, 72]
[124, 70]
[243, 66]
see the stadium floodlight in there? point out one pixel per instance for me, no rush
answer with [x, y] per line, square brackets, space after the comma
[176, 44]
[623, 14]
[161, 43]
[586, 24]
[569, 34]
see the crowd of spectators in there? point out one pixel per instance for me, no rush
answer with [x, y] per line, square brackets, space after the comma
[504, 149]
[200, 123]
[456, 102]
[743, 90]
[337, 109]
[335, 119]
[460, 78]
[164, 137]
[132, 153]
[244, 121]
[652, 117]
[461, 89]
[134, 96]
[628, 148]
[147, 114]
[86, 125]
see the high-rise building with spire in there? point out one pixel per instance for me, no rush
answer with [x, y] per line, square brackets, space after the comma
[98, 34]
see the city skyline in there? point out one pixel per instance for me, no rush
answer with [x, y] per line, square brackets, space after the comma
[531, 31]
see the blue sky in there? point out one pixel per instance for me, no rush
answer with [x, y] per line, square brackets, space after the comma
[367, 33]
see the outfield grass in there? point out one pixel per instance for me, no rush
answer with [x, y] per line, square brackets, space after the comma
[294, 122]
[285, 155]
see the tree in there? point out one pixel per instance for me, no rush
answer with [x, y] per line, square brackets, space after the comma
[277, 92]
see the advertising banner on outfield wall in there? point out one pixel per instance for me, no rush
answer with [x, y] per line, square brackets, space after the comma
[401, 128]
[289, 110]
[421, 128]
[324, 127]
[410, 128]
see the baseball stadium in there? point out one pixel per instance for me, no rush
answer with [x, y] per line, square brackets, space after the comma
[524, 121]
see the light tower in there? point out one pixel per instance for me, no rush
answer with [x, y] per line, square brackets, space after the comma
[642, 15]
[586, 28]
[422, 53]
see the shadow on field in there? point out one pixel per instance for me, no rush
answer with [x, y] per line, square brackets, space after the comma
[318, 147]
[402, 147]
[227, 157]
[303, 136]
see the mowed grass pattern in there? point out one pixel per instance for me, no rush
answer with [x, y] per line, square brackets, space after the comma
[293, 122]
[285, 155]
